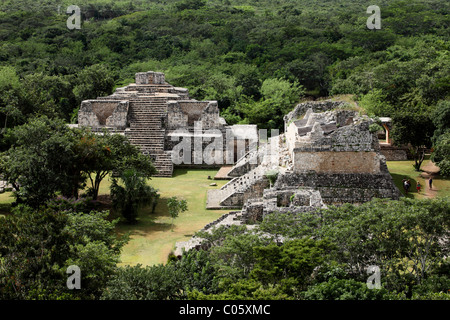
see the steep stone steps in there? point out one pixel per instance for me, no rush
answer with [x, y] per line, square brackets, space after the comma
[232, 193]
[147, 133]
[163, 163]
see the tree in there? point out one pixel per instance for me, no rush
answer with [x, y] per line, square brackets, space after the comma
[133, 195]
[278, 98]
[405, 238]
[47, 95]
[176, 206]
[103, 154]
[441, 119]
[197, 271]
[343, 289]
[441, 153]
[11, 94]
[190, 5]
[194, 272]
[244, 289]
[300, 225]
[41, 153]
[374, 102]
[37, 247]
[92, 82]
[416, 130]
[47, 152]
[290, 265]
[441, 137]
[157, 282]
[235, 256]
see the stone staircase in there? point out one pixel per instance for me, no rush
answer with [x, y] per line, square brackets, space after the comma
[248, 162]
[146, 131]
[253, 179]
[232, 192]
[164, 164]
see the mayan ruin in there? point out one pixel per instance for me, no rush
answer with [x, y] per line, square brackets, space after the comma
[327, 156]
[157, 116]
[224, 158]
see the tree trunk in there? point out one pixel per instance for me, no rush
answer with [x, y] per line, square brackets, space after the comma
[96, 188]
[6, 120]
[419, 156]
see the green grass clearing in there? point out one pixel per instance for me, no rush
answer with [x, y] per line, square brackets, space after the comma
[151, 239]
[404, 170]
[6, 199]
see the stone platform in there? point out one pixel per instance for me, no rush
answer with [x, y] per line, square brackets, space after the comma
[222, 174]
[213, 198]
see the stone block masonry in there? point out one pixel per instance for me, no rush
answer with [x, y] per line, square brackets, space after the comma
[326, 157]
[150, 78]
[336, 156]
[149, 111]
[337, 162]
[103, 113]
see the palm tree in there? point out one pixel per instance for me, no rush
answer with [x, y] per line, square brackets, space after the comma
[133, 195]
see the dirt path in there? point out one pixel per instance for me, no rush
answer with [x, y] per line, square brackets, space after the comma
[429, 170]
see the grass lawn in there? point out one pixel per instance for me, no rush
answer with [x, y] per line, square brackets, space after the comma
[5, 203]
[151, 239]
[404, 169]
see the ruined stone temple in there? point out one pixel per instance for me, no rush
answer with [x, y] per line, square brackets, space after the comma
[331, 152]
[157, 116]
[326, 156]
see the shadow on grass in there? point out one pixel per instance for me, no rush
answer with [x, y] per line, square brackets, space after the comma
[184, 171]
[145, 224]
[399, 184]
[5, 208]
[146, 221]
[179, 172]
[442, 178]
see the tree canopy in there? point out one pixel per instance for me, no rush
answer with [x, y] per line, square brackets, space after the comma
[46, 152]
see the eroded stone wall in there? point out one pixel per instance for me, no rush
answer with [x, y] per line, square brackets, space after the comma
[394, 153]
[98, 113]
[184, 114]
[338, 188]
[316, 106]
[149, 77]
[336, 162]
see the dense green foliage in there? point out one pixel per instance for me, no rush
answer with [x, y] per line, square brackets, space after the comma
[37, 246]
[48, 153]
[230, 51]
[132, 194]
[257, 58]
[323, 256]
[414, 130]
[172, 281]
[441, 137]
[42, 154]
